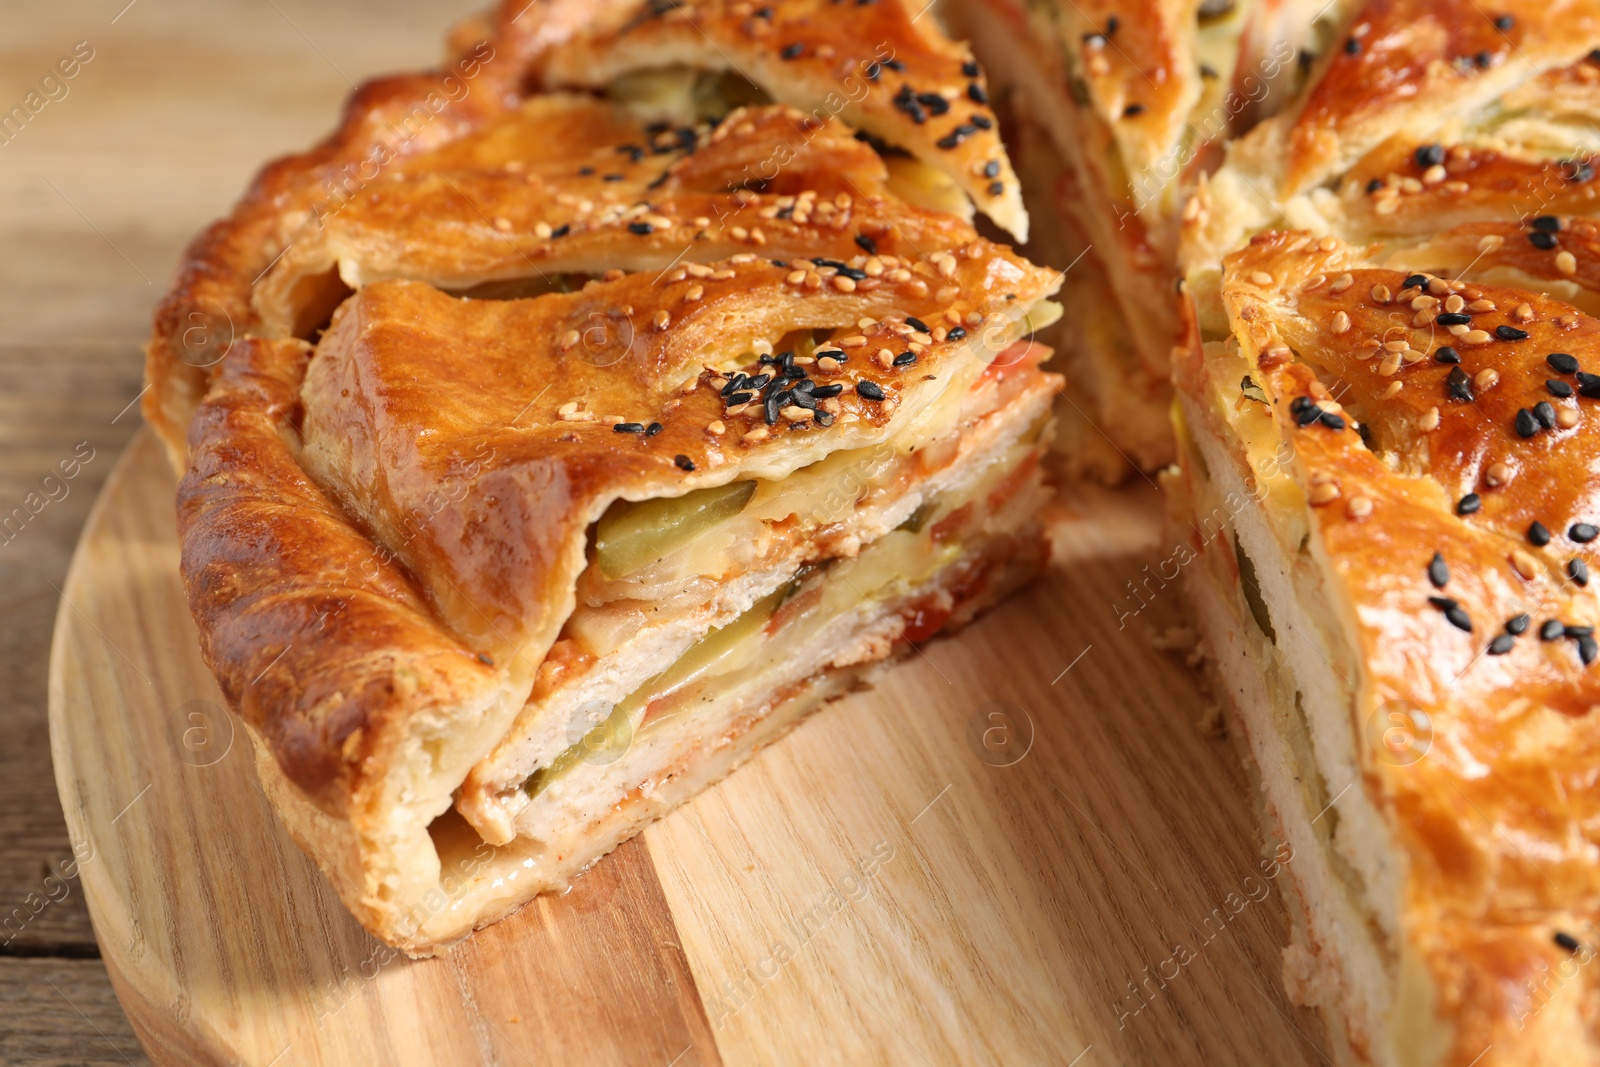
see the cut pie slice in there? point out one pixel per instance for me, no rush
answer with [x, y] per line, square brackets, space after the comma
[585, 551]
[1388, 520]
[562, 463]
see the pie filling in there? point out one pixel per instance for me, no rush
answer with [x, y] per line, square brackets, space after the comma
[1272, 631]
[696, 613]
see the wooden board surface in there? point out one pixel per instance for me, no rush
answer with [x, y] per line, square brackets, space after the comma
[994, 857]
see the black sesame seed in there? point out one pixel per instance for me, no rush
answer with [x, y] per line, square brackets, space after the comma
[1558, 387]
[1582, 532]
[1588, 384]
[1562, 362]
[562, 230]
[1438, 571]
[1526, 424]
[1502, 644]
[611, 178]
[1459, 386]
[1430, 155]
[1304, 411]
[1546, 414]
[1538, 534]
[1352, 47]
[643, 229]
[905, 359]
[1374, 185]
[1547, 223]
[969, 69]
[823, 392]
[873, 70]
[1332, 421]
[917, 324]
[1517, 624]
[804, 386]
[1132, 110]
[1540, 239]
[1577, 171]
[870, 390]
[1112, 25]
[996, 188]
[684, 462]
[739, 398]
[956, 333]
[955, 137]
[1566, 941]
[1446, 354]
[980, 121]
[1454, 318]
[792, 51]
[1469, 504]
[1504, 22]
[1510, 333]
[653, 429]
[866, 244]
[1587, 649]
[736, 383]
[775, 401]
[1416, 281]
[1551, 630]
[991, 169]
[1484, 60]
[1453, 612]
[1578, 571]
[934, 102]
[629, 427]
[976, 94]
[1579, 631]
[895, 65]
[803, 399]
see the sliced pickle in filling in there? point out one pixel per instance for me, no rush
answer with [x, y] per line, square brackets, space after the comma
[631, 535]
[712, 654]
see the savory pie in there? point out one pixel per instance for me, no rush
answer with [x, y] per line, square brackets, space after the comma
[1386, 503]
[577, 419]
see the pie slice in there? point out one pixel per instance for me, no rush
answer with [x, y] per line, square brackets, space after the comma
[1387, 528]
[557, 465]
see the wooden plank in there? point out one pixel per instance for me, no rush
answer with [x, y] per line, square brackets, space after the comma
[56, 406]
[61, 1013]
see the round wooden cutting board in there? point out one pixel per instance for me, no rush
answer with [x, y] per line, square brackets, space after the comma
[1020, 848]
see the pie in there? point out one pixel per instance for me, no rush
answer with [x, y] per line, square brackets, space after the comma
[582, 415]
[1385, 513]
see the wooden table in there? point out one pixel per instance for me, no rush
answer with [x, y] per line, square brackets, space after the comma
[155, 135]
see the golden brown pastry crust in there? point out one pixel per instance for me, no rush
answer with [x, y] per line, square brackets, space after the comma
[495, 64]
[1495, 823]
[381, 533]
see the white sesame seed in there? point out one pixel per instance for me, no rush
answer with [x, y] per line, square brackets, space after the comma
[1566, 262]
